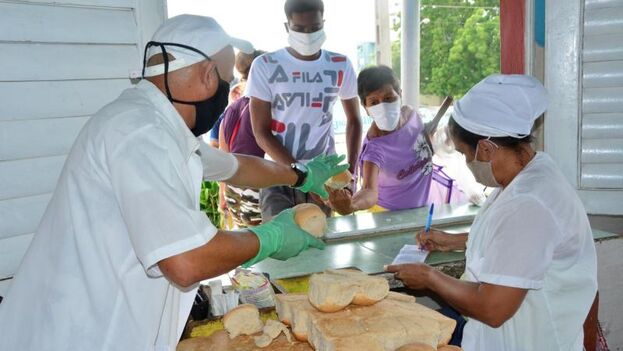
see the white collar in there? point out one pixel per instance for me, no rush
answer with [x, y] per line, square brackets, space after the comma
[185, 139]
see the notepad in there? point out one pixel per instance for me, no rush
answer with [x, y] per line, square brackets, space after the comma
[410, 254]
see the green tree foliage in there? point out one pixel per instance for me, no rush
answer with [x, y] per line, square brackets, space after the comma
[208, 202]
[459, 45]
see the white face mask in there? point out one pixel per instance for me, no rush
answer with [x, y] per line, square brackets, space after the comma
[482, 170]
[386, 115]
[306, 44]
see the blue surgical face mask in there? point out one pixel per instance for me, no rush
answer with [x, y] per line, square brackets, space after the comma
[482, 170]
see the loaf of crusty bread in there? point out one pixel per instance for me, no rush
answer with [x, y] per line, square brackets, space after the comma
[340, 180]
[295, 311]
[220, 341]
[270, 332]
[400, 297]
[417, 346]
[333, 290]
[449, 348]
[243, 320]
[311, 219]
[391, 323]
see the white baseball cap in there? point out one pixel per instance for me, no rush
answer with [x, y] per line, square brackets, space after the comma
[199, 32]
[502, 105]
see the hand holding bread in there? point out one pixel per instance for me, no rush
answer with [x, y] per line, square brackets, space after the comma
[341, 200]
[311, 219]
[319, 170]
[340, 180]
[282, 237]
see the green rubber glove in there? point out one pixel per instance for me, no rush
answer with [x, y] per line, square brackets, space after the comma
[281, 238]
[319, 170]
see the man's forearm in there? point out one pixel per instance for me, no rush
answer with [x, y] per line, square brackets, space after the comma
[255, 172]
[274, 149]
[353, 143]
[224, 252]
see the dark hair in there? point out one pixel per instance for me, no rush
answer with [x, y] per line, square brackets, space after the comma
[298, 6]
[244, 61]
[374, 78]
[470, 139]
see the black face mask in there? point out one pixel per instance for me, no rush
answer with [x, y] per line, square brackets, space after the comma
[207, 111]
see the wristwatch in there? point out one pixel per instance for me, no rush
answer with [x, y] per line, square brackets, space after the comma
[301, 173]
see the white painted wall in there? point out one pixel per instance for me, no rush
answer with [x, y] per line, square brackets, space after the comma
[584, 76]
[61, 60]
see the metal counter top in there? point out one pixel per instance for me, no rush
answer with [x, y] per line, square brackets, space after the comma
[370, 241]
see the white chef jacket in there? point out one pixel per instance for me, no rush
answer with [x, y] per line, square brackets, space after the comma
[127, 198]
[534, 235]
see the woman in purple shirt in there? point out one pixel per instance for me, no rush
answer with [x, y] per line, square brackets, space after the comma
[396, 158]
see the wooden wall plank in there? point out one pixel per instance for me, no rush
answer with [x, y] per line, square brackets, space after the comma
[46, 137]
[57, 24]
[29, 176]
[22, 215]
[26, 61]
[35, 100]
[87, 3]
[11, 252]
[4, 286]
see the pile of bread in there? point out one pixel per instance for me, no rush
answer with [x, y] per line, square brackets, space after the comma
[344, 310]
[349, 310]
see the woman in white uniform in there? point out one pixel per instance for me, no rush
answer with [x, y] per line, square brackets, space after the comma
[531, 273]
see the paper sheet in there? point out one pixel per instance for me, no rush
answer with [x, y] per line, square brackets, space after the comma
[410, 254]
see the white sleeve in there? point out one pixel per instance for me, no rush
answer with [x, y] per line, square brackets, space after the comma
[522, 246]
[159, 213]
[217, 164]
[257, 84]
[348, 90]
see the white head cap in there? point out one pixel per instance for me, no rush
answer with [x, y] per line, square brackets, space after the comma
[502, 105]
[199, 32]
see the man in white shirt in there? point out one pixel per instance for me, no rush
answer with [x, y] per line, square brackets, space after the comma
[117, 257]
[293, 91]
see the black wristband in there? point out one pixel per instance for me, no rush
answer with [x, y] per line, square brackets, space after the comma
[300, 174]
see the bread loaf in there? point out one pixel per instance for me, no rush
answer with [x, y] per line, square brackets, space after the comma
[400, 297]
[340, 180]
[392, 323]
[271, 331]
[418, 346]
[243, 320]
[311, 219]
[219, 341]
[295, 311]
[335, 289]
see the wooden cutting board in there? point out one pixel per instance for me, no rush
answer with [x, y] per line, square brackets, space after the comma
[219, 341]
